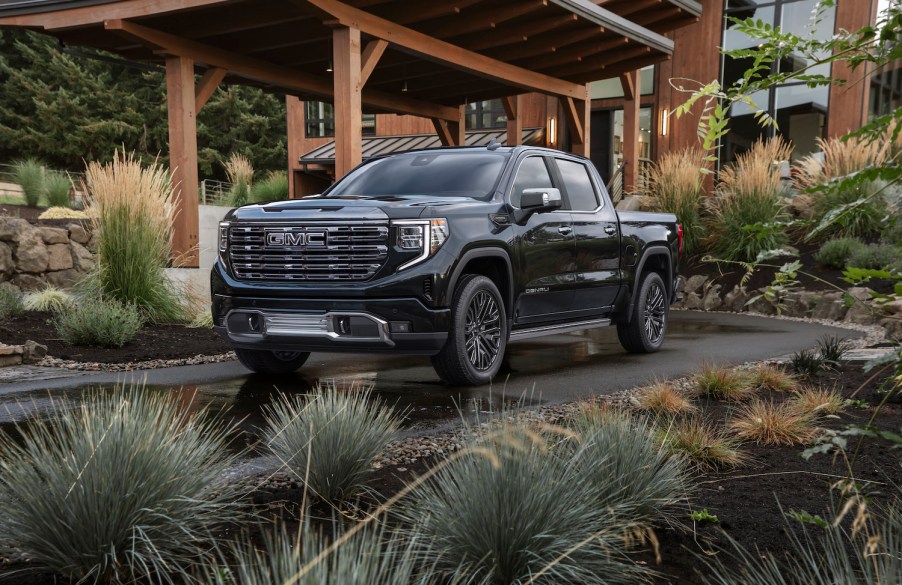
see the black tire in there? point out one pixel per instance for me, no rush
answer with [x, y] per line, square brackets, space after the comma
[478, 337]
[644, 333]
[271, 362]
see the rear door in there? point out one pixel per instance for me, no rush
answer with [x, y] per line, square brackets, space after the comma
[546, 250]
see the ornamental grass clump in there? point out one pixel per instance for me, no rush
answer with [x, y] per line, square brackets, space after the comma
[773, 378]
[329, 440]
[676, 187]
[748, 207]
[273, 188]
[771, 423]
[57, 187]
[510, 509]
[240, 173]
[29, 174]
[51, 300]
[818, 401]
[705, 445]
[122, 487]
[97, 322]
[132, 211]
[11, 303]
[662, 398]
[723, 383]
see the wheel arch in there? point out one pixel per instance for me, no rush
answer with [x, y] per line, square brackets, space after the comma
[494, 264]
[654, 259]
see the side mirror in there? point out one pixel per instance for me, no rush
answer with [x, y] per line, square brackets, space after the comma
[539, 200]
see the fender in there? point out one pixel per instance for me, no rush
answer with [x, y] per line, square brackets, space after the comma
[668, 282]
[485, 253]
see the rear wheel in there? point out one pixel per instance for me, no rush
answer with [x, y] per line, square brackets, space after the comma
[478, 337]
[644, 333]
[271, 362]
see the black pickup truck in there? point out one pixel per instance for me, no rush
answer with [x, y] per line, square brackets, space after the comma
[451, 253]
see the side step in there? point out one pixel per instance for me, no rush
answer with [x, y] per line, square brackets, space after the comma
[555, 329]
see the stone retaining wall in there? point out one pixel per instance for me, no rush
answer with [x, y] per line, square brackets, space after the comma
[35, 256]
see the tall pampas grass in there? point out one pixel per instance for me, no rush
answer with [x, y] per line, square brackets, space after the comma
[749, 201]
[676, 187]
[132, 211]
[240, 172]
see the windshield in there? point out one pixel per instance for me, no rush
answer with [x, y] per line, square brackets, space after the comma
[435, 174]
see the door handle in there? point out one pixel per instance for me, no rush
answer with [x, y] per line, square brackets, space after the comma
[565, 230]
[610, 230]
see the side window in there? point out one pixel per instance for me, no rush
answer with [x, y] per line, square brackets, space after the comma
[580, 190]
[532, 174]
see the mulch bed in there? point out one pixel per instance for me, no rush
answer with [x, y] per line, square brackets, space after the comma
[153, 342]
[21, 211]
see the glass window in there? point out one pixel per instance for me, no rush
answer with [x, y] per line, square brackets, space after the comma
[797, 18]
[486, 114]
[320, 121]
[801, 115]
[580, 191]
[433, 174]
[611, 88]
[644, 137]
[532, 174]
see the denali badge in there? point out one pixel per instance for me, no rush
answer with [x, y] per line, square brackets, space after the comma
[283, 239]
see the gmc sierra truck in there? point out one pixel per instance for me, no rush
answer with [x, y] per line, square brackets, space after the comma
[451, 253]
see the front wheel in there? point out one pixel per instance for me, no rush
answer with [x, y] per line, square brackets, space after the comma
[478, 337]
[644, 333]
[271, 362]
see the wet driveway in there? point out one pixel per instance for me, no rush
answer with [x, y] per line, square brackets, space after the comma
[548, 370]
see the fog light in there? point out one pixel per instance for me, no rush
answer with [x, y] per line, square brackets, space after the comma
[255, 322]
[400, 327]
[343, 325]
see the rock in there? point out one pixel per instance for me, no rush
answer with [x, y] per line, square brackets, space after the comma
[31, 253]
[10, 349]
[763, 306]
[695, 283]
[735, 299]
[12, 228]
[29, 282]
[54, 235]
[82, 259]
[7, 265]
[629, 203]
[10, 360]
[64, 278]
[712, 300]
[830, 306]
[33, 352]
[692, 301]
[893, 328]
[59, 257]
[10, 287]
[862, 310]
[79, 234]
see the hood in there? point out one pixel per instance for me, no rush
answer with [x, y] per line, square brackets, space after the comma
[348, 207]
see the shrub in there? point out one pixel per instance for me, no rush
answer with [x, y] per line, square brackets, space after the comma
[29, 174]
[877, 257]
[893, 234]
[749, 205]
[122, 486]
[131, 208]
[508, 510]
[723, 383]
[95, 321]
[62, 213]
[664, 399]
[836, 253]
[818, 401]
[832, 349]
[806, 363]
[768, 423]
[57, 187]
[241, 174]
[330, 440]
[273, 188]
[703, 444]
[10, 303]
[767, 377]
[676, 187]
[50, 299]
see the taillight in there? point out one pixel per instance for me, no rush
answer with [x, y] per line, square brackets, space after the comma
[680, 238]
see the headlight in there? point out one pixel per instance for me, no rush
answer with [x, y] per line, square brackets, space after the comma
[424, 236]
[223, 237]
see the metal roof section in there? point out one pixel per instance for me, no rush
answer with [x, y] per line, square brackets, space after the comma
[616, 24]
[374, 146]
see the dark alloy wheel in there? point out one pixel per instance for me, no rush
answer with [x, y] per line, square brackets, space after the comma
[645, 331]
[271, 362]
[478, 336]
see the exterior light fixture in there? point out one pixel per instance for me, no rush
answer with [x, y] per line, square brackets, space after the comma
[329, 67]
[404, 88]
[552, 130]
[665, 121]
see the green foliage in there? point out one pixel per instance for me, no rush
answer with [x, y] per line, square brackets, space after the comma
[10, 303]
[832, 349]
[510, 510]
[893, 234]
[57, 187]
[703, 444]
[273, 188]
[783, 283]
[703, 516]
[29, 174]
[50, 300]
[330, 439]
[97, 321]
[877, 257]
[835, 253]
[119, 488]
[858, 211]
[806, 363]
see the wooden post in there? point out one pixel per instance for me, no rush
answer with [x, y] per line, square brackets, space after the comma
[348, 105]
[631, 105]
[294, 111]
[512, 107]
[183, 159]
[452, 133]
[577, 113]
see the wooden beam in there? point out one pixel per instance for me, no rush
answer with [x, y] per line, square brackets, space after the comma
[573, 115]
[452, 133]
[444, 133]
[414, 11]
[290, 80]
[454, 56]
[183, 159]
[513, 105]
[629, 89]
[478, 21]
[370, 58]
[348, 108]
[208, 84]
[95, 14]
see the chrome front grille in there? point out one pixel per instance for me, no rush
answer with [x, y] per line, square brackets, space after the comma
[317, 252]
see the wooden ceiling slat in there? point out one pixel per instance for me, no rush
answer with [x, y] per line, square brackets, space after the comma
[481, 20]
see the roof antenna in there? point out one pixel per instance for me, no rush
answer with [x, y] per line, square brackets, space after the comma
[493, 145]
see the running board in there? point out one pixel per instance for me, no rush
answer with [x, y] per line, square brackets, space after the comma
[555, 329]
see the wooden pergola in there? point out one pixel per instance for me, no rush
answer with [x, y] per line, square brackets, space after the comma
[427, 59]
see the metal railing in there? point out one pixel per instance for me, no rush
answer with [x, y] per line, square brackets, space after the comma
[214, 192]
[615, 184]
